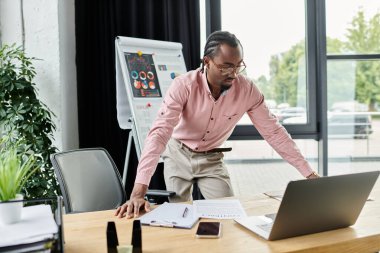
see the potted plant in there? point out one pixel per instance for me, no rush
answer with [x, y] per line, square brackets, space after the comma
[24, 116]
[15, 169]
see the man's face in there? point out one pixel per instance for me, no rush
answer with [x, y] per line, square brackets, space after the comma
[223, 68]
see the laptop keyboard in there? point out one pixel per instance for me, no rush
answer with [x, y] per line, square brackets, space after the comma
[271, 216]
[266, 227]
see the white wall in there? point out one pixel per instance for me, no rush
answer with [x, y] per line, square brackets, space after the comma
[69, 125]
[50, 36]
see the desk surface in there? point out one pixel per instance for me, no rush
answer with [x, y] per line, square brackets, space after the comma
[86, 232]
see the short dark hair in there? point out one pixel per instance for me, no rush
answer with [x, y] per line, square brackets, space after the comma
[215, 40]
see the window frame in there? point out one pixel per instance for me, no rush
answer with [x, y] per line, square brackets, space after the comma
[316, 72]
[317, 57]
[309, 130]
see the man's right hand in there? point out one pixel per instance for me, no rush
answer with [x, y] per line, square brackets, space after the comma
[131, 208]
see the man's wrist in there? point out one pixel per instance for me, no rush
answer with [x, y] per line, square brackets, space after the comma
[312, 174]
[139, 191]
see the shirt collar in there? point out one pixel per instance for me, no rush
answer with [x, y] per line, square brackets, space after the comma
[204, 80]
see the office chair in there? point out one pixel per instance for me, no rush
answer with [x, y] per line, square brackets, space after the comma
[89, 180]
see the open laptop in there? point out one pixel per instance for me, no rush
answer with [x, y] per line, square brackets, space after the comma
[315, 205]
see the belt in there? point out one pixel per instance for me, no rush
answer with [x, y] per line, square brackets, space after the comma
[214, 150]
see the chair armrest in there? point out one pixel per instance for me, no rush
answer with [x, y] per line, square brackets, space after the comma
[160, 193]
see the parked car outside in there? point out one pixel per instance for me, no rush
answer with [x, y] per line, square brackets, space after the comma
[291, 112]
[350, 118]
[358, 125]
[348, 124]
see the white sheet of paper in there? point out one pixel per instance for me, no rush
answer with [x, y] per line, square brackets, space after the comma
[170, 215]
[37, 223]
[219, 209]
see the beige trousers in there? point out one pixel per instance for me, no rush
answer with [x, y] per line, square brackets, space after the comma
[183, 167]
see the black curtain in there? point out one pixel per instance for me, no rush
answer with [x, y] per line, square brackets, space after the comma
[98, 22]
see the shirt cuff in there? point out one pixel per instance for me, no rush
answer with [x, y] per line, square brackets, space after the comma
[306, 170]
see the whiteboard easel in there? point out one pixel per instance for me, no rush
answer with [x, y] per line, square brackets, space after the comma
[144, 71]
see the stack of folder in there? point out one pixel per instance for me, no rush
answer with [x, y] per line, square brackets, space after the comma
[37, 230]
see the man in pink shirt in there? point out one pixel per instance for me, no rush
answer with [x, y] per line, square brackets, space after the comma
[200, 110]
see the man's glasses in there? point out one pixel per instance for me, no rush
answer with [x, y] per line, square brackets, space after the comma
[227, 70]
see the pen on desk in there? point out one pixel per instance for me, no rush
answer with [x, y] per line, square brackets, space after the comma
[185, 212]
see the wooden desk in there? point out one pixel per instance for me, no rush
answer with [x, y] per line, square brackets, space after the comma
[86, 232]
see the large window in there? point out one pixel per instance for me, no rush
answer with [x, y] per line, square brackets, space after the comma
[318, 64]
[275, 49]
[274, 37]
[353, 85]
[274, 53]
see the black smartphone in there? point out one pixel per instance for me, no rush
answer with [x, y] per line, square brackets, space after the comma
[208, 229]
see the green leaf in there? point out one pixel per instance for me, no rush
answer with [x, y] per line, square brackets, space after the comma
[24, 117]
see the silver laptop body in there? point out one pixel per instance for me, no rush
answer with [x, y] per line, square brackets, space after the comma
[315, 205]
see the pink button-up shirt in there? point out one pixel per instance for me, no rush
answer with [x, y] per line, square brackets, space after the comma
[190, 114]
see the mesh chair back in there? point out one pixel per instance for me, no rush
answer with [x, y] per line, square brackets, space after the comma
[89, 180]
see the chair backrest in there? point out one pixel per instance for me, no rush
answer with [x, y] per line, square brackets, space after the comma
[89, 180]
